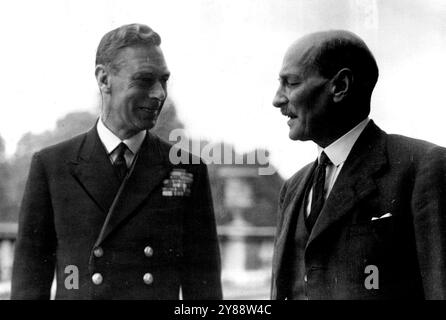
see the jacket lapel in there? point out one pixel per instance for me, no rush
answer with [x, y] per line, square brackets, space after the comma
[356, 179]
[149, 170]
[297, 190]
[94, 171]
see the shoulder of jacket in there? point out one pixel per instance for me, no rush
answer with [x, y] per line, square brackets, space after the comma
[416, 149]
[63, 149]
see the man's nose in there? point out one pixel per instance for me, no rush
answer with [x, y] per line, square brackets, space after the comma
[279, 99]
[158, 91]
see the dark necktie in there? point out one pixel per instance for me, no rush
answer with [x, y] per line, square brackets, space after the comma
[318, 197]
[119, 164]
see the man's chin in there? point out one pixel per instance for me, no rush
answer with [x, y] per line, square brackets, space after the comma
[147, 124]
[297, 136]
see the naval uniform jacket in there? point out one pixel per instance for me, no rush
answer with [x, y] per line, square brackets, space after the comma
[400, 179]
[131, 244]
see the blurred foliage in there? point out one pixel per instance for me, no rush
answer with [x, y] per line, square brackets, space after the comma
[69, 126]
[167, 121]
[5, 175]
[14, 171]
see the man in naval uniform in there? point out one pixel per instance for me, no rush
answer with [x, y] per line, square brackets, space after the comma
[106, 212]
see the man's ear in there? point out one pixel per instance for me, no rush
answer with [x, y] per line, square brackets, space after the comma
[342, 84]
[103, 78]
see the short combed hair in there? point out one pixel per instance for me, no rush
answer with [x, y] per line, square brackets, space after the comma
[125, 36]
[338, 49]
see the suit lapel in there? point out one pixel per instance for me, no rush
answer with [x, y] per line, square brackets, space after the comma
[356, 179]
[94, 171]
[290, 210]
[149, 170]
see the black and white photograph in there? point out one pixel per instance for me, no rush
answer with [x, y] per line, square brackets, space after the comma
[210, 150]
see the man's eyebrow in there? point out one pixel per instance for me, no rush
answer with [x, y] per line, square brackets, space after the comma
[149, 74]
[142, 74]
[285, 76]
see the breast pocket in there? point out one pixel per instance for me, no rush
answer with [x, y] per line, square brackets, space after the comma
[371, 242]
[379, 228]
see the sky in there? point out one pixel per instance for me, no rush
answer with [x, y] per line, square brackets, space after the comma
[224, 57]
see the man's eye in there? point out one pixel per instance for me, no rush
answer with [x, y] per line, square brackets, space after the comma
[144, 82]
[289, 83]
[292, 82]
[149, 82]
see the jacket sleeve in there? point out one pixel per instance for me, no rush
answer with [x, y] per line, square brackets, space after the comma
[429, 218]
[279, 221]
[34, 260]
[201, 268]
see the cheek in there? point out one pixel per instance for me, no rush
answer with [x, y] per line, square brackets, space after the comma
[299, 98]
[138, 95]
[130, 98]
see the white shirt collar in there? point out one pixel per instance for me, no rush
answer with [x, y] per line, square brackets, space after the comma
[111, 141]
[339, 150]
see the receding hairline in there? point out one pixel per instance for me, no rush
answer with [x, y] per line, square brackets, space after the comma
[312, 43]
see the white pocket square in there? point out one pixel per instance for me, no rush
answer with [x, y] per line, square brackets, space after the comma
[387, 215]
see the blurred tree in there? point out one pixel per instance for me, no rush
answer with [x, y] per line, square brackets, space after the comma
[5, 203]
[167, 121]
[2, 150]
[69, 126]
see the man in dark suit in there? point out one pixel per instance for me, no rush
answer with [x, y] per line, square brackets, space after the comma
[106, 212]
[367, 219]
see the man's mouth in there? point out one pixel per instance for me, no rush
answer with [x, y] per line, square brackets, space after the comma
[288, 114]
[150, 107]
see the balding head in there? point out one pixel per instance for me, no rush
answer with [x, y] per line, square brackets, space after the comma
[326, 82]
[328, 52]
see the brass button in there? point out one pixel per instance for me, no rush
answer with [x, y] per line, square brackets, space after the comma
[98, 252]
[97, 278]
[148, 251]
[148, 278]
